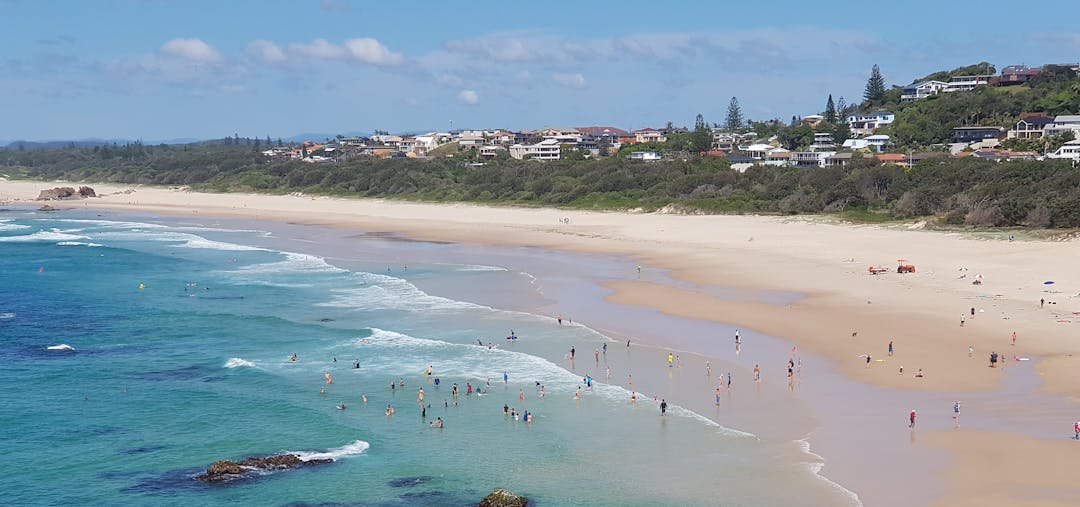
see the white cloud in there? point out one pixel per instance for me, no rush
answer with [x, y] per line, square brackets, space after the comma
[194, 50]
[469, 97]
[266, 51]
[570, 80]
[368, 50]
[363, 50]
[319, 48]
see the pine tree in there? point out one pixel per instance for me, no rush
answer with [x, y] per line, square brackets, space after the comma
[875, 86]
[830, 110]
[841, 108]
[734, 120]
[699, 122]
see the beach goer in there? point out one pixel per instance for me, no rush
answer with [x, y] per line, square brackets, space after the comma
[356, 364]
[423, 411]
[971, 350]
[993, 359]
[571, 353]
[757, 373]
[437, 423]
[627, 343]
[506, 377]
[962, 317]
[329, 379]
[506, 409]
[389, 410]
[868, 360]
[542, 393]
[1076, 430]
[577, 394]
[341, 406]
[420, 396]
[670, 360]
[596, 353]
[919, 374]
[911, 419]
[737, 337]
[718, 396]
[1014, 338]
[363, 397]
[973, 311]
[437, 381]
[901, 369]
[559, 318]
[521, 394]
[468, 388]
[956, 412]
[729, 379]
[633, 397]
[890, 348]
[708, 368]
[605, 348]
[630, 378]
[1041, 303]
[663, 407]
[293, 357]
[322, 390]
[607, 372]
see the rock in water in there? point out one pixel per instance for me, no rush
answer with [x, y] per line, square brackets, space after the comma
[225, 470]
[503, 498]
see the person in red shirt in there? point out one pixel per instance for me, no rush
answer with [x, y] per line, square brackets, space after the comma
[912, 417]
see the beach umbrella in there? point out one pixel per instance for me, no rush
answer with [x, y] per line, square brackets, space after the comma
[1048, 282]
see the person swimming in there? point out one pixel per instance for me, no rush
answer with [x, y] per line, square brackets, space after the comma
[341, 406]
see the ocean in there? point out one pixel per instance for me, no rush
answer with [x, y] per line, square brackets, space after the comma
[139, 349]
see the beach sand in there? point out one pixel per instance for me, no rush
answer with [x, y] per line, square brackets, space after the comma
[845, 312]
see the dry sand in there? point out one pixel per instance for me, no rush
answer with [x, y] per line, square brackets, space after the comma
[846, 312]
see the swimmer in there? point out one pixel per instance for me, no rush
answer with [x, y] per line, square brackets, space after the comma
[633, 397]
[293, 357]
[363, 397]
[437, 423]
[389, 410]
[420, 396]
[322, 390]
[341, 406]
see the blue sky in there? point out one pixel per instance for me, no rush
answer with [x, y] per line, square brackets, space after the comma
[160, 69]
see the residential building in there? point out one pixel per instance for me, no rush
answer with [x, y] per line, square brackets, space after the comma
[725, 141]
[491, 150]
[1030, 127]
[503, 137]
[823, 141]
[779, 156]
[839, 159]
[922, 90]
[1062, 124]
[876, 143]
[758, 151]
[999, 155]
[812, 120]
[812, 158]
[1070, 151]
[892, 158]
[976, 134]
[645, 155]
[470, 140]
[1017, 74]
[865, 124]
[611, 134]
[649, 135]
[967, 83]
[548, 149]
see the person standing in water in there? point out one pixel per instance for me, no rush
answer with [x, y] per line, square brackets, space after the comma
[663, 407]
[670, 360]
[911, 419]
[757, 373]
[718, 396]
[737, 337]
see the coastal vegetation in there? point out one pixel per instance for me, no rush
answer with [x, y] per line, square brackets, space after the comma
[954, 191]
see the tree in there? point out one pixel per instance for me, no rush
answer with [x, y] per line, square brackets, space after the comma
[734, 120]
[303, 150]
[875, 86]
[830, 110]
[699, 122]
[842, 108]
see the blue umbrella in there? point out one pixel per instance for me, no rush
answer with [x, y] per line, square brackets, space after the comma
[1048, 282]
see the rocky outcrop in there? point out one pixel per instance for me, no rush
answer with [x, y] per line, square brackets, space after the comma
[58, 193]
[226, 470]
[46, 208]
[503, 498]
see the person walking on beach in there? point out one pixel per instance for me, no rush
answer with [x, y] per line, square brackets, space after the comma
[737, 337]
[911, 418]
[670, 360]
[962, 317]
[1042, 302]
[605, 348]
[1076, 430]
[663, 407]
[971, 350]
[506, 377]
[956, 413]
[559, 318]
[757, 373]
[1014, 338]
[630, 378]
[718, 396]
[890, 348]
[596, 354]
[868, 360]
[729, 380]
[572, 353]
[708, 368]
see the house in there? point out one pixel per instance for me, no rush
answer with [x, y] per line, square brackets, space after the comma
[491, 150]
[921, 90]
[812, 158]
[1069, 150]
[865, 124]
[1062, 124]
[724, 140]
[548, 149]
[780, 157]
[812, 120]
[839, 159]
[1017, 74]
[967, 83]
[645, 155]
[758, 151]
[611, 134]
[823, 141]
[740, 163]
[649, 135]
[876, 143]
[503, 137]
[1030, 127]
[999, 155]
[976, 134]
[470, 140]
[892, 158]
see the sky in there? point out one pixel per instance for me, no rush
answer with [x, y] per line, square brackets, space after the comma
[164, 69]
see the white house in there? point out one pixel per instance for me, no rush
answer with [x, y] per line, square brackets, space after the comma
[1069, 150]
[967, 83]
[866, 124]
[1062, 124]
[922, 89]
[812, 158]
[548, 149]
[758, 151]
[649, 135]
[876, 142]
[823, 141]
[645, 155]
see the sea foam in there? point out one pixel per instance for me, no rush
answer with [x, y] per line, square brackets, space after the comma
[62, 346]
[236, 362]
[52, 235]
[353, 449]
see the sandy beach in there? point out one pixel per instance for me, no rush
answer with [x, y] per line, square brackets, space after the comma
[844, 314]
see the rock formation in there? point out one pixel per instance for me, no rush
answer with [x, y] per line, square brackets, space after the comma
[226, 470]
[503, 498]
[58, 193]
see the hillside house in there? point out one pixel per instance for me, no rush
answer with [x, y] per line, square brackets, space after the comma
[976, 134]
[1062, 124]
[823, 141]
[548, 149]
[1070, 151]
[1029, 128]
[864, 124]
[649, 135]
[645, 155]
[922, 90]
[1017, 74]
[967, 83]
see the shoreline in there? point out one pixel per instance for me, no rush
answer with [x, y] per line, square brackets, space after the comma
[754, 253]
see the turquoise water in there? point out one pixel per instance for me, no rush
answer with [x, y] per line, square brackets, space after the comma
[139, 351]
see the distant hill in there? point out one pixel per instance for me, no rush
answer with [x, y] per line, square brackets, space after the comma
[87, 143]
